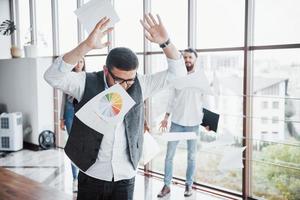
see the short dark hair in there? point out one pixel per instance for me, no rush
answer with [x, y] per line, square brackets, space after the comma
[122, 58]
[191, 50]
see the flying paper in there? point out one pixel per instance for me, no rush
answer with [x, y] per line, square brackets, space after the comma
[103, 112]
[175, 136]
[232, 159]
[150, 148]
[90, 13]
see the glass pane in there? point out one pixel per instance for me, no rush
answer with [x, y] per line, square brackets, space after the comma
[276, 22]
[219, 160]
[95, 51]
[220, 23]
[276, 172]
[276, 73]
[276, 124]
[25, 35]
[96, 63]
[44, 28]
[129, 31]
[216, 149]
[158, 105]
[276, 91]
[177, 29]
[5, 41]
[67, 25]
[228, 69]
[160, 100]
[141, 64]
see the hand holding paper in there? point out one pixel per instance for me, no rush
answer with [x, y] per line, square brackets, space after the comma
[90, 13]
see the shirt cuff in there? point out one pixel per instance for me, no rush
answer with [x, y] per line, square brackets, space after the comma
[177, 67]
[63, 66]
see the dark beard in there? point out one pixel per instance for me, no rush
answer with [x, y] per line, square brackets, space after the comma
[189, 68]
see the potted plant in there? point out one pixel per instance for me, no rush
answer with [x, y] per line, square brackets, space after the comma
[7, 28]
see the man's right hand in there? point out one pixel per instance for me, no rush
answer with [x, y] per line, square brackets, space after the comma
[94, 40]
[164, 125]
[62, 124]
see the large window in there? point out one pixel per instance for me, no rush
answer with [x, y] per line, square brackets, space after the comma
[276, 22]
[96, 63]
[175, 18]
[25, 34]
[276, 154]
[210, 160]
[68, 34]
[220, 23]
[44, 28]
[129, 31]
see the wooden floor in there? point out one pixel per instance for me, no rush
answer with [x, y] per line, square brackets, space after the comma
[47, 175]
[16, 187]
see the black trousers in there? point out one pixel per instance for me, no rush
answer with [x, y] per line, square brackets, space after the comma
[90, 188]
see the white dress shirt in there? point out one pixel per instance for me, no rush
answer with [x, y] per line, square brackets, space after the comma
[113, 160]
[185, 106]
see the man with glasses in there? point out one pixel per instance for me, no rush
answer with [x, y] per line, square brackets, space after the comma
[108, 161]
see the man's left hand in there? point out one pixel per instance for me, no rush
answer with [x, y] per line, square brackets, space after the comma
[207, 128]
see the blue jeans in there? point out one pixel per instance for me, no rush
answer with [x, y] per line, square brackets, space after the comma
[191, 158]
[68, 117]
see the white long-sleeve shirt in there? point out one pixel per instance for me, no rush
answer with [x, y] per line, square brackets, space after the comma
[113, 160]
[185, 106]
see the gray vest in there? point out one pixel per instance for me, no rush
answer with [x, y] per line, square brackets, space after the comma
[84, 143]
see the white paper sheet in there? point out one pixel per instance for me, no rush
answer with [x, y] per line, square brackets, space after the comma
[197, 79]
[150, 148]
[232, 159]
[103, 112]
[175, 136]
[221, 140]
[90, 13]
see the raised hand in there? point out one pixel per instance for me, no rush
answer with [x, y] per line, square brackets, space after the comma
[163, 125]
[94, 40]
[155, 32]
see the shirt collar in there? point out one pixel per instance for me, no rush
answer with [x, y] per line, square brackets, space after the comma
[105, 82]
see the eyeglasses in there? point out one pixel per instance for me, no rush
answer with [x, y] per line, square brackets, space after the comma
[120, 80]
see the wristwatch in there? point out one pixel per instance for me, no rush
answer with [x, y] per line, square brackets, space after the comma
[165, 44]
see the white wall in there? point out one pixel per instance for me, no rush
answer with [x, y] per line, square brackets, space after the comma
[23, 89]
[5, 41]
[44, 97]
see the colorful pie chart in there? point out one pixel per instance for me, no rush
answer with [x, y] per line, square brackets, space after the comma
[110, 105]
